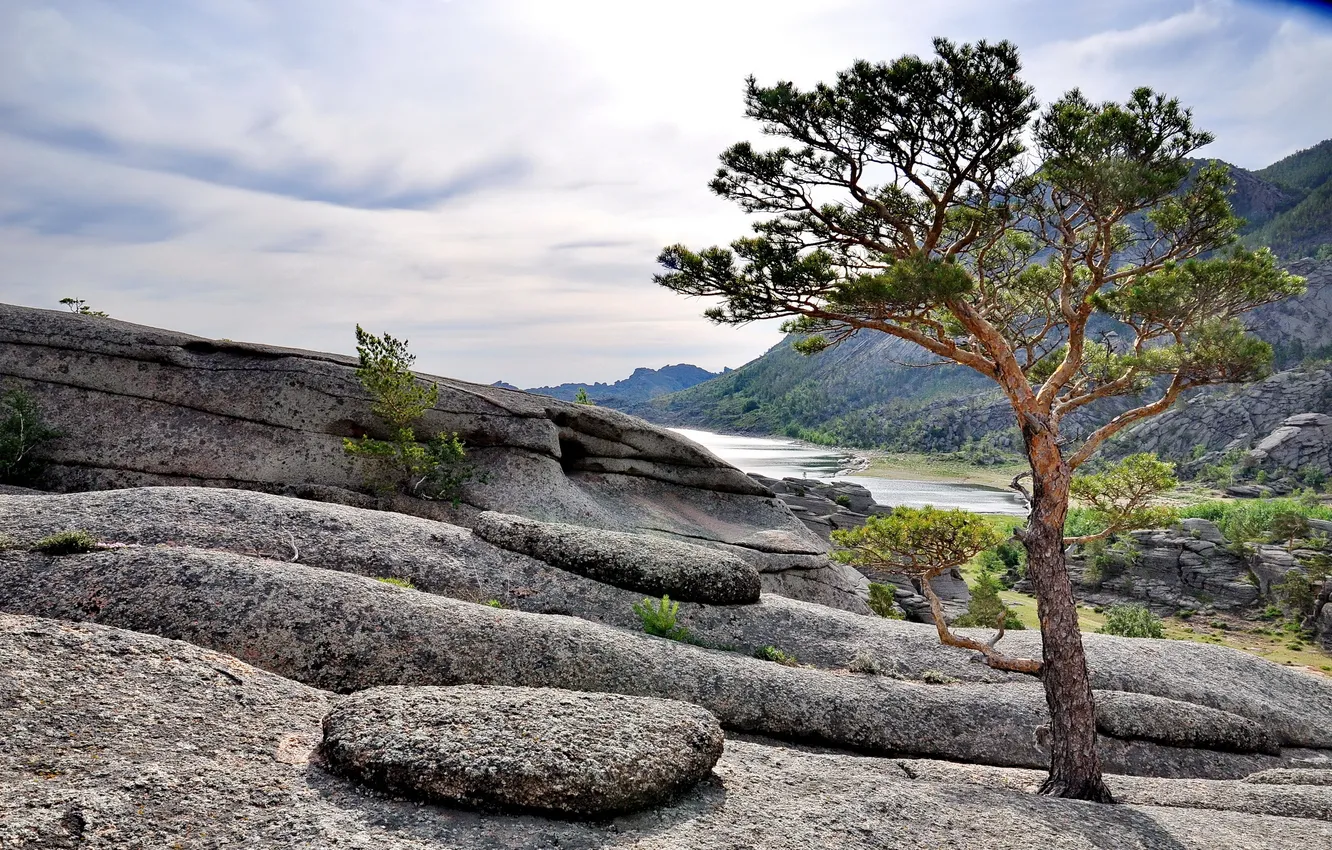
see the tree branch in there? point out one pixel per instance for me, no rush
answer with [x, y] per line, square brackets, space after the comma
[1123, 420]
[993, 657]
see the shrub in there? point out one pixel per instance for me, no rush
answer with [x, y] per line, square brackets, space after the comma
[1131, 621]
[772, 653]
[1287, 524]
[398, 582]
[66, 543]
[882, 601]
[22, 432]
[985, 606]
[435, 469]
[1297, 593]
[581, 397]
[934, 677]
[863, 662]
[78, 305]
[659, 618]
[494, 603]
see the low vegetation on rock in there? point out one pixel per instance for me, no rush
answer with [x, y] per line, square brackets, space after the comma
[22, 433]
[435, 469]
[659, 617]
[772, 653]
[66, 543]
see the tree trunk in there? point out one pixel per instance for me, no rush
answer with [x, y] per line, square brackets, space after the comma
[1075, 767]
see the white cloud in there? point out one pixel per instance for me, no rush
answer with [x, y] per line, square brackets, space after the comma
[491, 179]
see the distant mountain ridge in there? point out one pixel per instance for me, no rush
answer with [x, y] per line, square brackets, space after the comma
[644, 384]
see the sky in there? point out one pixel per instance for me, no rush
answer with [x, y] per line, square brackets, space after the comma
[493, 179]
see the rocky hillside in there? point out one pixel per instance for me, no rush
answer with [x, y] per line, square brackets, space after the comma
[875, 392]
[141, 407]
[642, 385]
[1301, 223]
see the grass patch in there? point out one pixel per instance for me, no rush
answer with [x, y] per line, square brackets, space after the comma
[66, 543]
[922, 467]
[398, 582]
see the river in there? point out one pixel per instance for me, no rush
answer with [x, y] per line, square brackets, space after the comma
[782, 458]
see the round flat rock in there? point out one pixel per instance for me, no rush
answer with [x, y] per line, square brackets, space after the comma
[563, 752]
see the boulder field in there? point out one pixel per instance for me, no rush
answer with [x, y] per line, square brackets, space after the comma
[141, 406]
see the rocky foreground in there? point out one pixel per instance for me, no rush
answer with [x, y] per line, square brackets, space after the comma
[118, 739]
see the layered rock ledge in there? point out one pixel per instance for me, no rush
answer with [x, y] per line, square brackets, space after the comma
[118, 739]
[143, 406]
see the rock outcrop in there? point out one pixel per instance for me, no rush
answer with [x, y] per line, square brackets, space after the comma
[449, 561]
[1212, 425]
[346, 633]
[631, 561]
[120, 739]
[1187, 566]
[142, 406]
[1302, 444]
[535, 749]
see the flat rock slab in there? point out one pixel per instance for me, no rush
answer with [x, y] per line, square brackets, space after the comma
[1146, 717]
[635, 561]
[1290, 776]
[538, 749]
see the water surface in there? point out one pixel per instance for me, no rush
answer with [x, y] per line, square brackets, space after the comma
[778, 457]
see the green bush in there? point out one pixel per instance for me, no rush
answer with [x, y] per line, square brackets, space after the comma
[772, 653]
[659, 618]
[435, 469]
[985, 606]
[66, 543]
[1250, 520]
[883, 603]
[22, 432]
[1131, 621]
[843, 500]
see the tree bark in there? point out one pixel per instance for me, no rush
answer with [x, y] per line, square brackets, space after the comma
[1075, 766]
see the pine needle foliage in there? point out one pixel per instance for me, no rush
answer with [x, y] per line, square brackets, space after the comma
[435, 469]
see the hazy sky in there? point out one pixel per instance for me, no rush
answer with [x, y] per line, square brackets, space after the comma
[493, 179]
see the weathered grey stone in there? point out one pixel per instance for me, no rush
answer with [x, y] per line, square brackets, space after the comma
[632, 561]
[1179, 724]
[1187, 566]
[1205, 794]
[118, 739]
[1291, 776]
[541, 749]
[1270, 564]
[1203, 529]
[152, 407]
[451, 561]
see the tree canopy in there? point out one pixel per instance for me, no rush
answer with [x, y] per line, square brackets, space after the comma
[910, 203]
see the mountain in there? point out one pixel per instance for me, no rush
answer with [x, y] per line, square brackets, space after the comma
[1301, 225]
[642, 385]
[874, 391]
